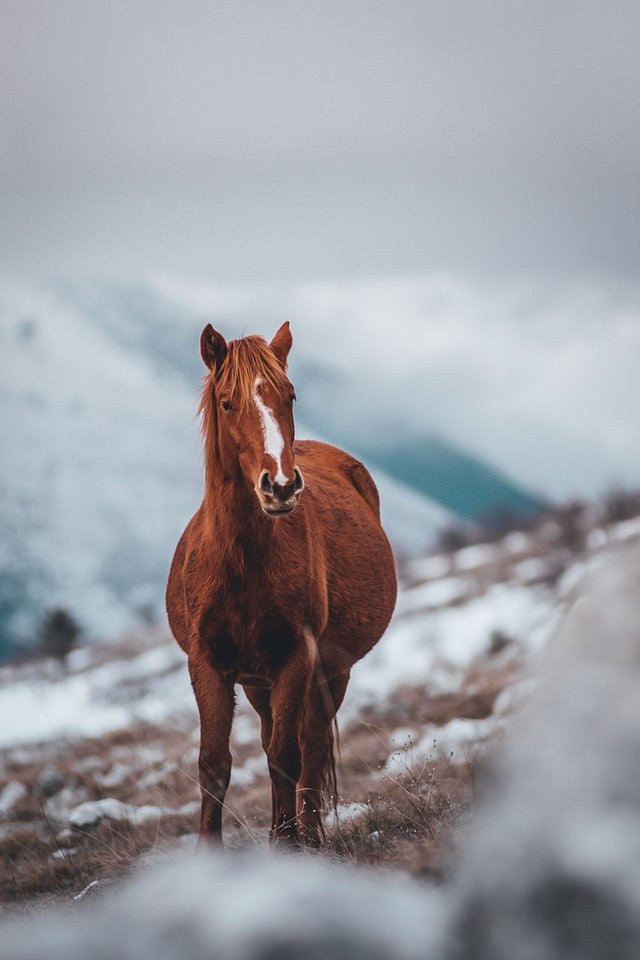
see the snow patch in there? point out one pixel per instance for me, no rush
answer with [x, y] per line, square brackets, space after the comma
[11, 795]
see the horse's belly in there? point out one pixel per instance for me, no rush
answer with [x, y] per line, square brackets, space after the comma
[361, 594]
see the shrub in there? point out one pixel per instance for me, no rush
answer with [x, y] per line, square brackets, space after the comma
[58, 634]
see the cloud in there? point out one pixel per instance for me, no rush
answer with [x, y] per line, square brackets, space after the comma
[319, 140]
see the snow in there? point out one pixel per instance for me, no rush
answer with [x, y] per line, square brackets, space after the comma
[403, 737]
[626, 530]
[85, 891]
[345, 813]
[241, 776]
[12, 794]
[513, 696]
[458, 741]
[431, 567]
[117, 775]
[93, 812]
[245, 727]
[437, 593]
[63, 852]
[242, 908]
[531, 570]
[478, 555]
[83, 704]
[516, 542]
[96, 811]
[415, 646]
[596, 539]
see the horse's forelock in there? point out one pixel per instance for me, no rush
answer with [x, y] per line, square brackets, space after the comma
[247, 360]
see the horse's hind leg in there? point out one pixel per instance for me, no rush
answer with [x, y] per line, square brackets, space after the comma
[260, 700]
[215, 700]
[317, 777]
[288, 699]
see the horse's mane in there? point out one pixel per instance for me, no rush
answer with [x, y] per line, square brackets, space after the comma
[246, 360]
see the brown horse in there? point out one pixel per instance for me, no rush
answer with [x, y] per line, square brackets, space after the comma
[281, 581]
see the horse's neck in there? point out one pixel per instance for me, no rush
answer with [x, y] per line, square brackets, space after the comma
[233, 515]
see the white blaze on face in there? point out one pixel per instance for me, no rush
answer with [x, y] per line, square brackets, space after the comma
[273, 439]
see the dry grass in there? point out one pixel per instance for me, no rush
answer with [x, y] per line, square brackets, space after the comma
[406, 821]
[42, 857]
[38, 867]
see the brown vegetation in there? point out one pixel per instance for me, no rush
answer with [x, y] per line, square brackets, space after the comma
[403, 819]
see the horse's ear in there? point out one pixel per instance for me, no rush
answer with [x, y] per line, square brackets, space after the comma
[281, 343]
[213, 347]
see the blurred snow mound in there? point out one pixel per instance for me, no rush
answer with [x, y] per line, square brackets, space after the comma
[553, 869]
[243, 908]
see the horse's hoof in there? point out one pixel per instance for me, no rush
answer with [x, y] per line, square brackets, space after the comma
[284, 839]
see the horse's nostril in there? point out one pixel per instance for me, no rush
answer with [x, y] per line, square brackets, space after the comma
[299, 482]
[265, 482]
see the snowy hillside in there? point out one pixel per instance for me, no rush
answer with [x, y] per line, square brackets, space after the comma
[102, 468]
[429, 380]
[99, 473]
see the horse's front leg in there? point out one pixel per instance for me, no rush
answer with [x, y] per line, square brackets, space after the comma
[215, 699]
[288, 698]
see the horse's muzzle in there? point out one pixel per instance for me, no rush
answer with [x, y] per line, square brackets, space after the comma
[278, 500]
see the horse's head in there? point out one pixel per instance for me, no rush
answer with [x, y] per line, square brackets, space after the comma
[247, 404]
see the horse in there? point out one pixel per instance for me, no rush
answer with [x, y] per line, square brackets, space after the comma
[281, 581]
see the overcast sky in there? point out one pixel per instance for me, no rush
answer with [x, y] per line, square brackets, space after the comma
[289, 139]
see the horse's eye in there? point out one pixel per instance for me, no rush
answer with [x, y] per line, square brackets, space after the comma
[226, 406]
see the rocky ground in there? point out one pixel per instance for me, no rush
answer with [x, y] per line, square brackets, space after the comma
[98, 760]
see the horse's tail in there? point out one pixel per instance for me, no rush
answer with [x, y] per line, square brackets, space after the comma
[329, 776]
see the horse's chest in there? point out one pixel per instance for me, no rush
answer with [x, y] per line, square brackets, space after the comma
[251, 644]
[248, 621]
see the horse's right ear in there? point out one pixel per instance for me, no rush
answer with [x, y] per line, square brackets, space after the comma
[213, 347]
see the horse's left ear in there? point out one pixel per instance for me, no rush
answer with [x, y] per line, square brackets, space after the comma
[281, 343]
[213, 347]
